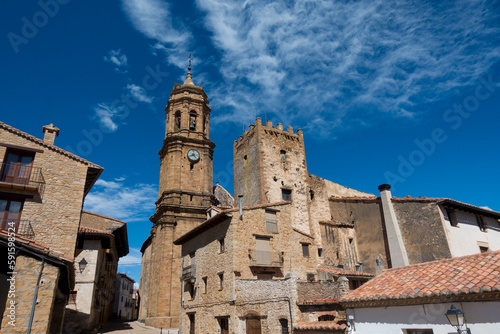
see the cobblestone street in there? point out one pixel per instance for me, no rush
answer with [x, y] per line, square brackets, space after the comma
[121, 327]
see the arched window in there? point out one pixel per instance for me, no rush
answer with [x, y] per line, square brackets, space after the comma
[178, 120]
[192, 121]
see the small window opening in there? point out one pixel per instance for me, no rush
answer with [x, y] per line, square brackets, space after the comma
[205, 284]
[311, 195]
[190, 289]
[286, 194]
[178, 120]
[192, 121]
[284, 326]
[221, 281]
[221, 246]
[320, 252]
[283, 155]
[305, 250]
[191, 198]
[483, 249]
[191, 166]
[245, 157]
[350, 241]
[326, 317]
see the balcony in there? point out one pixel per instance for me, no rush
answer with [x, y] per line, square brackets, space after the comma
[23, 177]
[188, 272]
[265, 259]
[21, 227]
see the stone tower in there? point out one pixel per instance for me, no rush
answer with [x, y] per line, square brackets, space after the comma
[270, 166]
[185, 193]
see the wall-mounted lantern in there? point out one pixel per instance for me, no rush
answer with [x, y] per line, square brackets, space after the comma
[82, 264]
[456, 317]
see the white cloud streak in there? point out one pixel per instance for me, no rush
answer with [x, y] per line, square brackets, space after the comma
[139, 93]
[107, 114]
[127, 203]
[153, 19]
[334, 62]
[118, 59]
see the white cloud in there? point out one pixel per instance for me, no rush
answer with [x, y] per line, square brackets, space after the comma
[107, 114]
[139, 93]
[153, 19]
[329, 61]
[118, 59]
[134, 257]
[127, 203]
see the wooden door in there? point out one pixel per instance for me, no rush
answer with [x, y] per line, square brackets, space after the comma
[253, 326]
[17, 168]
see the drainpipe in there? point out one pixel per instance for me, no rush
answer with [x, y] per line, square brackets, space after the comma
[399, 257]
[33, 303]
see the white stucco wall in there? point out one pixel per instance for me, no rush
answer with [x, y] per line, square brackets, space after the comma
[463, 238]
[482, 318]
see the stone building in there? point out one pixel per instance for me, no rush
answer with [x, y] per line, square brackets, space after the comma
[346, 233]
[101, 242]
[253, 272]
[42, 188]
[393, 232]
[124, 290]
[185, 193]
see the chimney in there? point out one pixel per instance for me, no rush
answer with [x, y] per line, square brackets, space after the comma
[397, 250]
[51, 132]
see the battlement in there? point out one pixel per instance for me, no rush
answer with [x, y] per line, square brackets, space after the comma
[271, 130]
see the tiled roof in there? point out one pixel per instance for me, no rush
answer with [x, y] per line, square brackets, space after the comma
[320, 325]
[43, 143]
[344, 272]
[85, 229]
[444, 201]
[337, 224]
[473, 277]
[103, 216]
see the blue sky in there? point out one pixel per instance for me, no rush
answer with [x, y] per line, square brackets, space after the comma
[400, 92]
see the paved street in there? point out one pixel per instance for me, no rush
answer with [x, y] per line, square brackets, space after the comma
[119, 327]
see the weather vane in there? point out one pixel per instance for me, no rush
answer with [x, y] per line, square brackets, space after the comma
[189, 64]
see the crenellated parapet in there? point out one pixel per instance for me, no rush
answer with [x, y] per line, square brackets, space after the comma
[269, 130]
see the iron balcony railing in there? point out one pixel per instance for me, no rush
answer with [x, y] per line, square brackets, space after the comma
[20, 227]
[188, 272]
[266, 259]
[26, 175]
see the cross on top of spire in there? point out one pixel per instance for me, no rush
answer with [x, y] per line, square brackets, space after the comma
[190, 60]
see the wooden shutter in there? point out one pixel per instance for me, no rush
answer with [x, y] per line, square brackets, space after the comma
[263, 253]
[271, 222]
[253, 326]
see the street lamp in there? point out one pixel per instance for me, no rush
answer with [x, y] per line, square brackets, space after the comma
[456, 317]
[82, 264]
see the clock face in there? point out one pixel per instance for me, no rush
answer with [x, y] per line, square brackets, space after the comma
[193, 155]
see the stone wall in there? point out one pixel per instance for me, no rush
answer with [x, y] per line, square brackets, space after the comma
[56, 216]
[145, 282]
[28, 270]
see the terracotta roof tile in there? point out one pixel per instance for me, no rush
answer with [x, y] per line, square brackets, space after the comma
[465, 275]
[320, 325]
[343, 272]
[318, 301]
[43, 143]
[85, 229]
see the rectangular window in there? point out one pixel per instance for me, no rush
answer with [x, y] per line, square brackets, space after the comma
[284, 326]
[16, 167]
[224, 325]
[320, 252]
[286, 194]
[10, 214]
[221, 245]
[191, 324]
[221, 280]
[483, 249]
[305, 250]
[271, 222]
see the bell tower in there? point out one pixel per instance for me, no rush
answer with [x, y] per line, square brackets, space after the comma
[185, 193]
